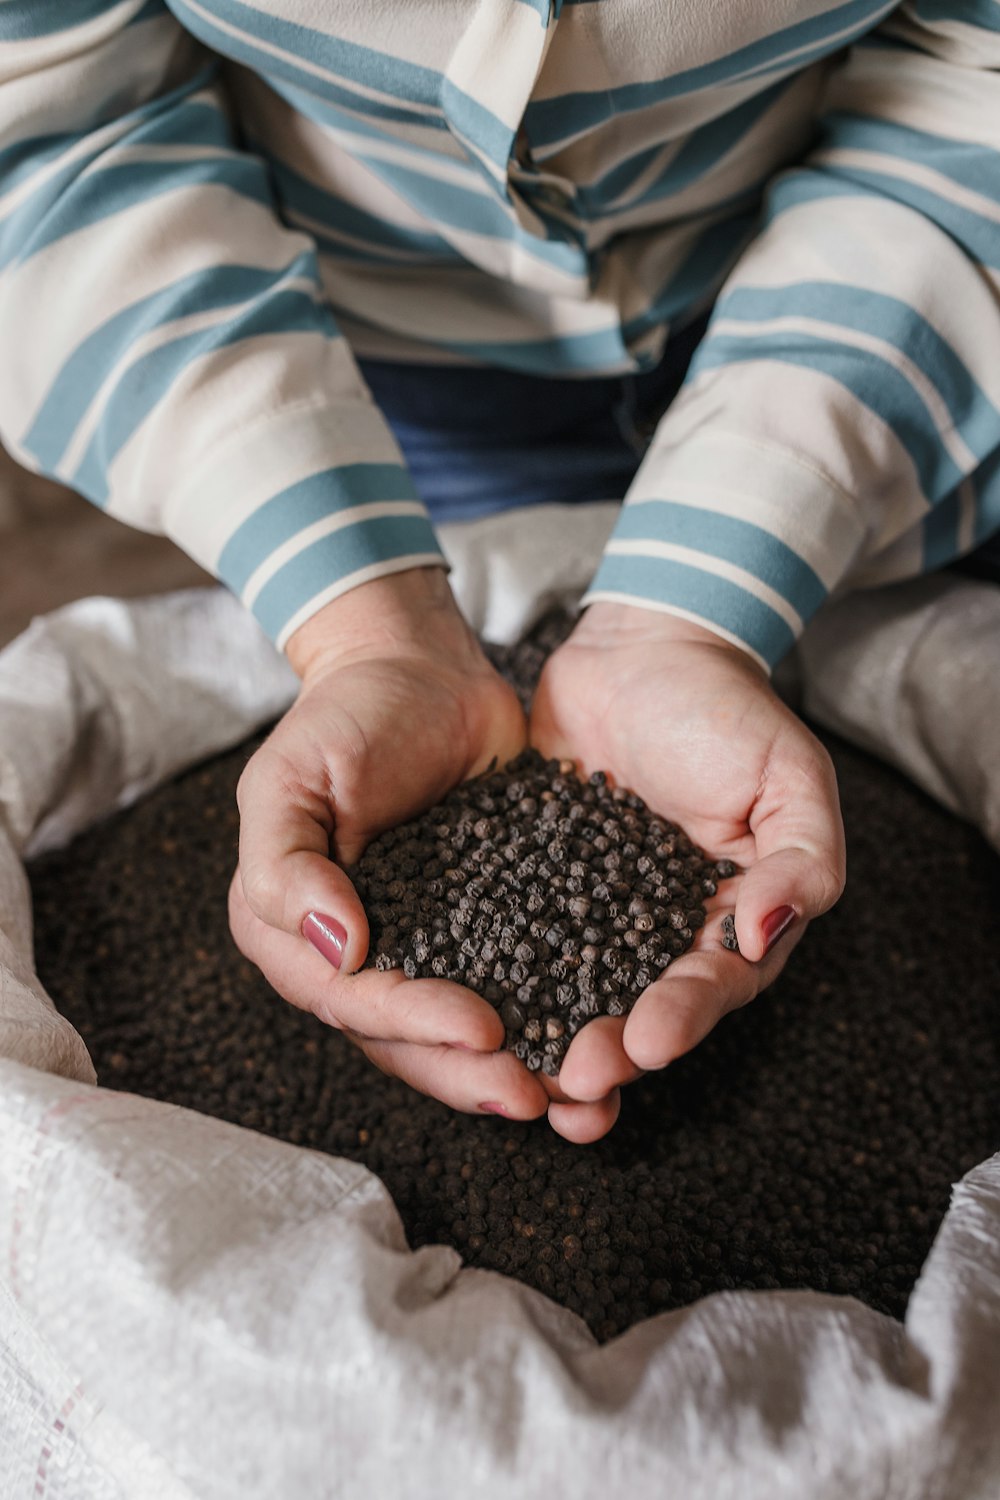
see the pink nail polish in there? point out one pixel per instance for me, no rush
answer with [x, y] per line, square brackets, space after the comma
[491, 1107]
[775, 924]
[327, 937]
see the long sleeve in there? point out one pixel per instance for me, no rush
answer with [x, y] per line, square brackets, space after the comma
[167, 350]
[840, 423]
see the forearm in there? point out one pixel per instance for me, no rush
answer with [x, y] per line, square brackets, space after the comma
[840, 422]
[176, 359]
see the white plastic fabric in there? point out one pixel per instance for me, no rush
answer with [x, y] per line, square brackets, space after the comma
[189, 1309]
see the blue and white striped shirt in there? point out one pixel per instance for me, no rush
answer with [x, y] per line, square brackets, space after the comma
[209, 207]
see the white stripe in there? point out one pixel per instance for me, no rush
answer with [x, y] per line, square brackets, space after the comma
[855, 242]
[37, 52]
[724, 444]
[434, 303]
[951, 440]
[612, 596]
[242, 34]
[157, 338]
[164, 153]
[490, 32]
[301, 423]
[97, 141]
[84, 280]
[922, 90]
[352, 581]
[374, 510]
[911, 171]
[70, 96]
[706, 562]
[309, 148]
[458, 173]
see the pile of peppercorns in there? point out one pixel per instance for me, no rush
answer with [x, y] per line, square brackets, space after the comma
[555, 899]
[780, 1152]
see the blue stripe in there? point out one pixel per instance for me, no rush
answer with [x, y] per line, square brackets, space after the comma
[549, 120]
[798, 185]
[49, 213]
[698, 278]
[869, 379]
[347, 62]
[973, 164]
[117, 189]
[977, 235]
[146, 383]
[474, 122]
[972, 412]
[662, 581]
[72, 390]
[348, 254]
[20, 20]
[589, 353]
[319, 204]
[303, 504]
[467, 210]
[701, 151]
[336, 107]
[23, 159]
[689, 290]
[729, 538]
[443, 202]
[171, 120]
[334, 557]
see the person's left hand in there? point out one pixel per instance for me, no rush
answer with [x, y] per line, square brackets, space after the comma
[689, 722]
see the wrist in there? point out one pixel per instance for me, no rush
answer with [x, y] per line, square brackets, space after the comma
[412, 612]
[610, 623]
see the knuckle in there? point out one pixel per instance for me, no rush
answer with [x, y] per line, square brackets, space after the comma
[830, 885]
[247, 784]
[264, 891]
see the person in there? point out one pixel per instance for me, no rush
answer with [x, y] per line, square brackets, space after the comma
[288, 282]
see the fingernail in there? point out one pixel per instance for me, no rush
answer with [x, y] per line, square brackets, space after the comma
[326, 936]
[775, 924]
[492, 1107]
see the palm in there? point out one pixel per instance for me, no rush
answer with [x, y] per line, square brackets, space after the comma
[694, 728]
[408, 731]
[690, 749]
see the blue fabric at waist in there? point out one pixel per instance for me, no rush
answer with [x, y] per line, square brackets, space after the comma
[480, 440]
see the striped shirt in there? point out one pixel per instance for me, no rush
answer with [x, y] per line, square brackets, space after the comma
[209, 207]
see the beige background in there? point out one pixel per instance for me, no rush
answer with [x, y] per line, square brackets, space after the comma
[56, 546]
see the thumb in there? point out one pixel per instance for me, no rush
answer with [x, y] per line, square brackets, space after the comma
[288, 878]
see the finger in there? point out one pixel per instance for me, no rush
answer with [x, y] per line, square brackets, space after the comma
[799, 869]
[698, 989]
[288, 878]
[596, 1062]
[475, 1083]
[384, 1005]
[584, 1123]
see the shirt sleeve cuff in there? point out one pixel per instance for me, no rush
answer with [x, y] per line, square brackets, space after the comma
[740, 536]
[304, 506]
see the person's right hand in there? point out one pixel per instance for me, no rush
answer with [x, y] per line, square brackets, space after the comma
[398, 705]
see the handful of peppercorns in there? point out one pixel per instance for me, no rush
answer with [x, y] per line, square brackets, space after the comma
[556, 899]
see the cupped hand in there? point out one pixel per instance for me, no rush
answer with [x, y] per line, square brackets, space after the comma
[691, 723]
[397, 706]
